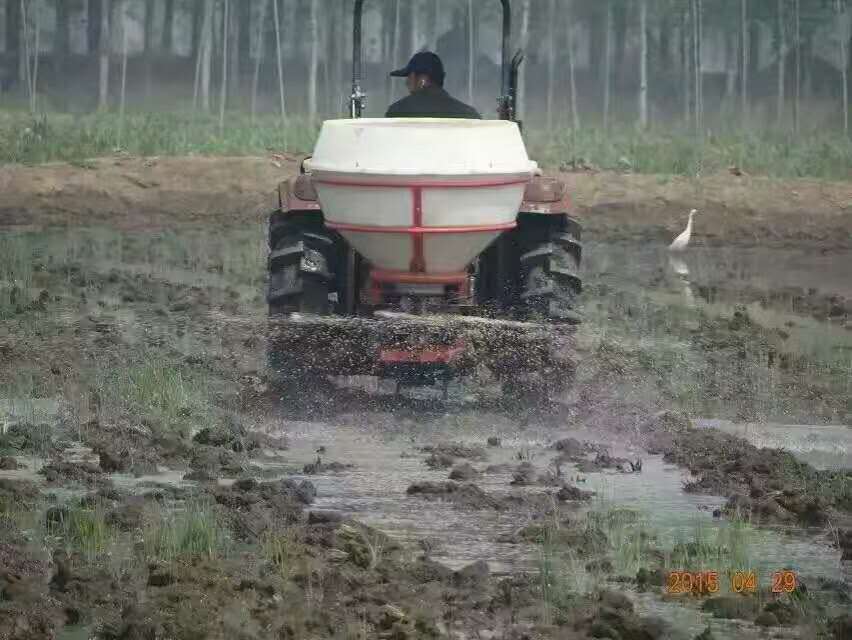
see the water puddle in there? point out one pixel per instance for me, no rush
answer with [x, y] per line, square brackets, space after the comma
[732, 275]
[374, 492]
[821, 446]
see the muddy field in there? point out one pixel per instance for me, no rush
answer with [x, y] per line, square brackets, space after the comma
[133, 193]
[154, 484]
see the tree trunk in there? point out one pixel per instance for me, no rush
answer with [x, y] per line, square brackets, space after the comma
[207, 53]
[36, 55]
[807, 68]
[797, 86]
[261, 50]
[619, 28]
[198, 8]
[840, 6]
[13, 33]
[686, 66]
[782, 51]
[326, 46]
[524, 43]
[62, 42]
[731, 66]
[396, 44]
[168, 27]
[122, 7]
[572, 85]
[103, 66]
[24, 71]
[313, 65]
[436, 24]
[223, 88]
[150, 7]
[643, 63]
[93, 27]
[339, 81]
[744, 57]
[699, 79]
[31, 49]
[279, 67]
[471, 51]
[243, 49]
[149, 45]
[415, 25]
[607, 72]
[551, 64]
[234, 53]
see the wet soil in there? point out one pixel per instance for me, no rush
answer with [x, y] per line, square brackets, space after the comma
[294, 572]
[150, 345]
[769, 485]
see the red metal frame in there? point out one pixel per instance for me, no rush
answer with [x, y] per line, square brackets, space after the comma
[417, 265]
[365, 228]
[434, 354]
[424, 184]
[418, 259]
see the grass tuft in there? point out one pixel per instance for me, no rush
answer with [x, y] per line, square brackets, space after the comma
[82, 529]
[192, 531]
[285, 551]
[168, 397]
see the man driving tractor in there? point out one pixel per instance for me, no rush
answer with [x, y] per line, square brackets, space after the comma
[424, 77]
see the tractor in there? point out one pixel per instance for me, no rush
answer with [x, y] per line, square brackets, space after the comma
[423, 251]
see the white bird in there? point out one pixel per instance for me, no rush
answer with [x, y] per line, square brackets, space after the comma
[680, 243]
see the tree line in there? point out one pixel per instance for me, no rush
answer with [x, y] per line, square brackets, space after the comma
[600, 62]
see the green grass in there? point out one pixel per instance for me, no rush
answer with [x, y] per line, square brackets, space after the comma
[285, 551]
[627, 534]
[74, 138]
[664, 150]
[82, 529]
[16, 275]
[819, 154]
[192, 531]
[725, 548]
[129, 281]
[167, 396]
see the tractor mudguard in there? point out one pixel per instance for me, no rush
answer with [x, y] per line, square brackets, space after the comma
[297, 194]
[547, 196]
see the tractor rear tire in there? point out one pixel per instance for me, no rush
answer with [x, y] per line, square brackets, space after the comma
[301, 269]
[549, 284]
[301, 264]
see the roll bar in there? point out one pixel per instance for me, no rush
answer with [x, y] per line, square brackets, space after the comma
[358, 98]
[506, 102]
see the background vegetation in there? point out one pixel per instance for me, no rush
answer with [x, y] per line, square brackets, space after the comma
[663, 86]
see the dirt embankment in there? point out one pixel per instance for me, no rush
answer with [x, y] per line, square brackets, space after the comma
[140, 192]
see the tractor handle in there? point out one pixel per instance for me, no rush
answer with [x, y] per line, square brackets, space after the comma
[507, 104]
[358, 98]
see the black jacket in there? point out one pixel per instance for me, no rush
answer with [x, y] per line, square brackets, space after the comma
[431, 102]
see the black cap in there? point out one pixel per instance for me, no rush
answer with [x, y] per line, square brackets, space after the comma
[425, 62]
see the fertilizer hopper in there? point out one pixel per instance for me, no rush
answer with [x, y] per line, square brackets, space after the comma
[419, 199]
[422, 249]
